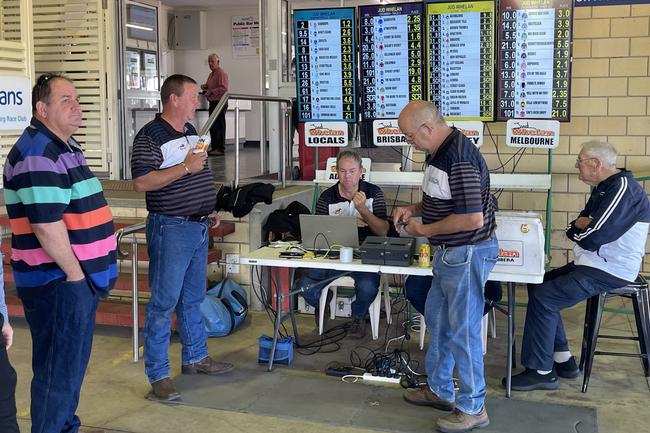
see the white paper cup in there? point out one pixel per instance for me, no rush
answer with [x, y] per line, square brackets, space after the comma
[346, 255]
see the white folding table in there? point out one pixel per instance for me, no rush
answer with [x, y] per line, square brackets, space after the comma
[267, 256]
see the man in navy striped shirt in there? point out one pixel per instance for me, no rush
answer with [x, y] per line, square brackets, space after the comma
[351, 196]
[457, 212]
[181, 201]
[610, 236]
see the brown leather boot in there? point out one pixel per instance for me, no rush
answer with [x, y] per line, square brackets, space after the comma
[163, 390]
[461, 422]
[207, 366]
[423, 396]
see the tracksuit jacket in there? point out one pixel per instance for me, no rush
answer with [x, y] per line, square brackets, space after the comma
[614, 241]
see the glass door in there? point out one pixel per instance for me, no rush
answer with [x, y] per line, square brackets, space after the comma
[139, 66]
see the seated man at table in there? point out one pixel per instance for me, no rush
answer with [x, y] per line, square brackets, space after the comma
[610, 236]
[351, 196]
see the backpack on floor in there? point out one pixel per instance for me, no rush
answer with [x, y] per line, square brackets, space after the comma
[217, 319]
[224, 308]
[235, 299]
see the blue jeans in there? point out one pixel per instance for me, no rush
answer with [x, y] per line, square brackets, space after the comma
[453, 313]
[178, 254]
[366, 286]
[562, 288]
[61, 318]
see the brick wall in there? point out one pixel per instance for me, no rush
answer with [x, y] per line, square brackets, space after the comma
[610, 100]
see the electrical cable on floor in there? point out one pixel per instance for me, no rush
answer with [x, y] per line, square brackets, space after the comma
[355, 378]
[391, 364]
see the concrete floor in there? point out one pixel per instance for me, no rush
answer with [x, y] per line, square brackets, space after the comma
[113, 390]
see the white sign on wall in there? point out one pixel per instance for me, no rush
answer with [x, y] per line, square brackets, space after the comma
[245, 36]
[326, 134]
[15, 102]
[386, 132]
[542, 134]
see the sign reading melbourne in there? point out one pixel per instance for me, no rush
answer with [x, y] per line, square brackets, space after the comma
[15, 102]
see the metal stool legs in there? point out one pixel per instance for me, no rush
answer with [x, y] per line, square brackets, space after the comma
[638, 293]
[595, 306]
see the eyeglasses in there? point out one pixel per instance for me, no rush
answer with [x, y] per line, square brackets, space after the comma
[411, 137]
[581, 160]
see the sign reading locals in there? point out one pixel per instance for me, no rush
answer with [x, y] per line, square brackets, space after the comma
[326, 134]
[15, 103]
[541, 134]
[472, 129]
[387, 133]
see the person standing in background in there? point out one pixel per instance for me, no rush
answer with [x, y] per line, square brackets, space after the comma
[215, 87]
[8, 422]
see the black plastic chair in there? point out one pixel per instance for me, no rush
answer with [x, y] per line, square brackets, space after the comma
[638, 293]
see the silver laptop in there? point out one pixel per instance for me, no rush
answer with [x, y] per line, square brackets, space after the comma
[321, 232]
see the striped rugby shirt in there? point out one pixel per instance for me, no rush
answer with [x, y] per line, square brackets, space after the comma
[45, 181]
[158, 146]
[331, 202]
[457, 181]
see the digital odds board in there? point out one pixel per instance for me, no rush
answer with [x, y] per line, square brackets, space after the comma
[534, 59]
[460, 46]
[325, 64]
[391, 58]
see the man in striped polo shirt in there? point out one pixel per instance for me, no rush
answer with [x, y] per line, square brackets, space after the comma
[457, 212]
[63, 251]
[181, 200]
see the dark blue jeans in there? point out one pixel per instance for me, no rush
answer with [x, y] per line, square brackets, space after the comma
[178, 264]
[61, 318]
[562, 288]
[366, 286]
[8, 422]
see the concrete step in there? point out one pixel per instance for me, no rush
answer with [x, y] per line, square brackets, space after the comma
[109, 312]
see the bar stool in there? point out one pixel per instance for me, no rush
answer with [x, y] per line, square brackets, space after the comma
[638, 293]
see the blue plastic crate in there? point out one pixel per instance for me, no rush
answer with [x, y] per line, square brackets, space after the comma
[283, 350]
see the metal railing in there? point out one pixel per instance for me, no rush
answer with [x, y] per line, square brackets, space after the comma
[284, 117]
[119, 234]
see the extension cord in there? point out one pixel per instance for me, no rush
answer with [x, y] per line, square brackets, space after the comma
[371, 378]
